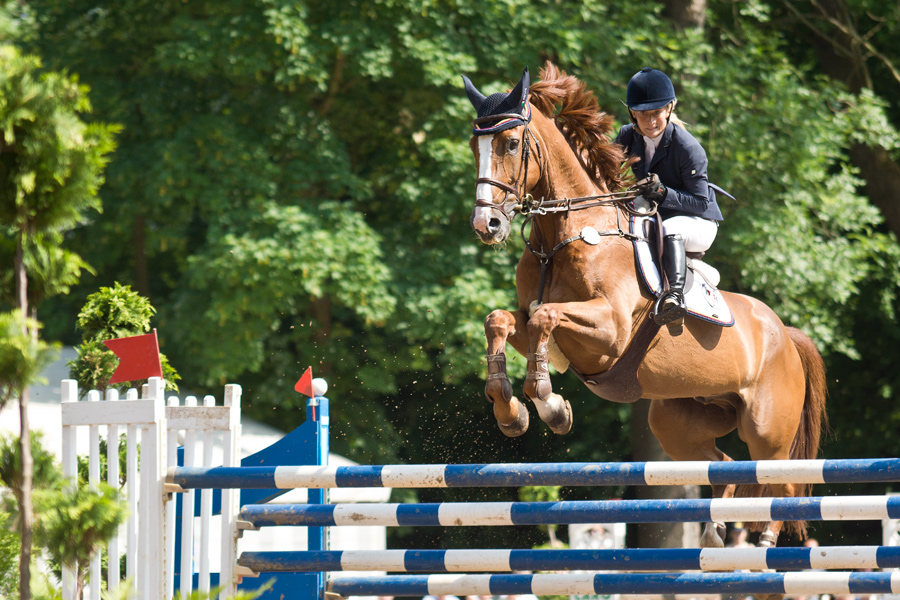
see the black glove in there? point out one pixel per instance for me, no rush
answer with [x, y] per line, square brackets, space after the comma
[651, 188]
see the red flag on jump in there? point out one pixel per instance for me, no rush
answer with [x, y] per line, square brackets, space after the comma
[138, 357]
[304, 384]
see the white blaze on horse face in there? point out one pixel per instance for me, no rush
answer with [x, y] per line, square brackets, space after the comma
[484, 191]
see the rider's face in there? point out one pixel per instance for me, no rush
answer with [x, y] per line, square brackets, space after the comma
[653, 122]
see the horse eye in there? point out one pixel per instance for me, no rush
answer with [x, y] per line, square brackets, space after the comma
[512, 146]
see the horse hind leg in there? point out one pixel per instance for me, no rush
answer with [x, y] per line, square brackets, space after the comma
[769, 531]
[687, 430]
[713, 535]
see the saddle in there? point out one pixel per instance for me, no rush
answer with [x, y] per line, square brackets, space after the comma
[701, 296]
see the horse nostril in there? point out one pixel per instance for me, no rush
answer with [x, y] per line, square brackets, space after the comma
[493, 224]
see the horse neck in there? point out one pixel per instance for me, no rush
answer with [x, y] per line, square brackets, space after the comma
[564, 176]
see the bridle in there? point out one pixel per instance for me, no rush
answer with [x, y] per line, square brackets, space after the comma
[525, 204]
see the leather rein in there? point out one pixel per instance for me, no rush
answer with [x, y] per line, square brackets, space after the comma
[525, 204]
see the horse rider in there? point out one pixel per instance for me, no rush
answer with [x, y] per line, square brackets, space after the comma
[671, 172]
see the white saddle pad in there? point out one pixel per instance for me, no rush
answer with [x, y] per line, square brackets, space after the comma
[701, 297]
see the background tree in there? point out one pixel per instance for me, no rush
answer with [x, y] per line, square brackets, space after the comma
[855, 42]
[50, 170]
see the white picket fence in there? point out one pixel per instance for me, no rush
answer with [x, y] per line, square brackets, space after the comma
[153, 429]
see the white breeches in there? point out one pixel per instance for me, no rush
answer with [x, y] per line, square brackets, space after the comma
[698, 233]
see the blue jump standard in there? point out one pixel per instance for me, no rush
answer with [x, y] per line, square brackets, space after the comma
[652, 559]
[528, 474]
[620, 583]
[568, 512]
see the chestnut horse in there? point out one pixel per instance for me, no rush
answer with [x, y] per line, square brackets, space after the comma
[581, 287]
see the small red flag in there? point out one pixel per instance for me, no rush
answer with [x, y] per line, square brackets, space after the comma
[138, 357]
[304, 384]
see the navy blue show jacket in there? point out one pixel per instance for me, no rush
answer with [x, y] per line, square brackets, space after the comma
[680, 162]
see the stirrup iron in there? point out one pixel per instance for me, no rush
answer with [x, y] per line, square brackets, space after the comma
[674, 313]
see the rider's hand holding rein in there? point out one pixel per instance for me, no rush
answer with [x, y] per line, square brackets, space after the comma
[651, 188]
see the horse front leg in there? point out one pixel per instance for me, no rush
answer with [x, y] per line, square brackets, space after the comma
[591, 323]
[502, 326]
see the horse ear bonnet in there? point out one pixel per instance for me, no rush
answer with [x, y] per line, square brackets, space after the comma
[512, 109]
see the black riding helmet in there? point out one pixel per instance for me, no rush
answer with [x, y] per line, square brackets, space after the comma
[649, 89]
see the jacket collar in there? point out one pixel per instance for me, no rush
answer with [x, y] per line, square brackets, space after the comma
[663, 148]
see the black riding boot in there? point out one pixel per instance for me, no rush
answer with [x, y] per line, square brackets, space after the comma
[670, 306]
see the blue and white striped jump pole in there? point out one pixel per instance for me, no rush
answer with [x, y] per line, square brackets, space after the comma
[655, 559]
[530, 474]
[619, 583]
[450, 514]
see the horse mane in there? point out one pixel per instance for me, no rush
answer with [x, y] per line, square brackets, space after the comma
[585, 127]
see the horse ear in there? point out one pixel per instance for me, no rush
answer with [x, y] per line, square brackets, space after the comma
[475, 97]
[520, 92]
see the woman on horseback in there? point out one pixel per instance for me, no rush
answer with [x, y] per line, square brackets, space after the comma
[671, 172]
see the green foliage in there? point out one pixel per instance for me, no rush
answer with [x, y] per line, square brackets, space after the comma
[51, 165]
[115, 312]
[9, 557]
[94, 366]
[52, 269]
[16, 23]
[74, 523]
[71, 524]
[52, 161]
[22, 355]
[46, 475]
[108, 314]
[84, 462]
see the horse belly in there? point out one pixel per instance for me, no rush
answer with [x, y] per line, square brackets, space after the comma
[706, 361]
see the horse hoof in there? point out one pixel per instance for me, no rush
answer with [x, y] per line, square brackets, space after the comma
[561, 422]
[712, 536]
[517, 427]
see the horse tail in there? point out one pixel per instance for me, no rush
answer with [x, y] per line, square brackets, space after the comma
[813, 419]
